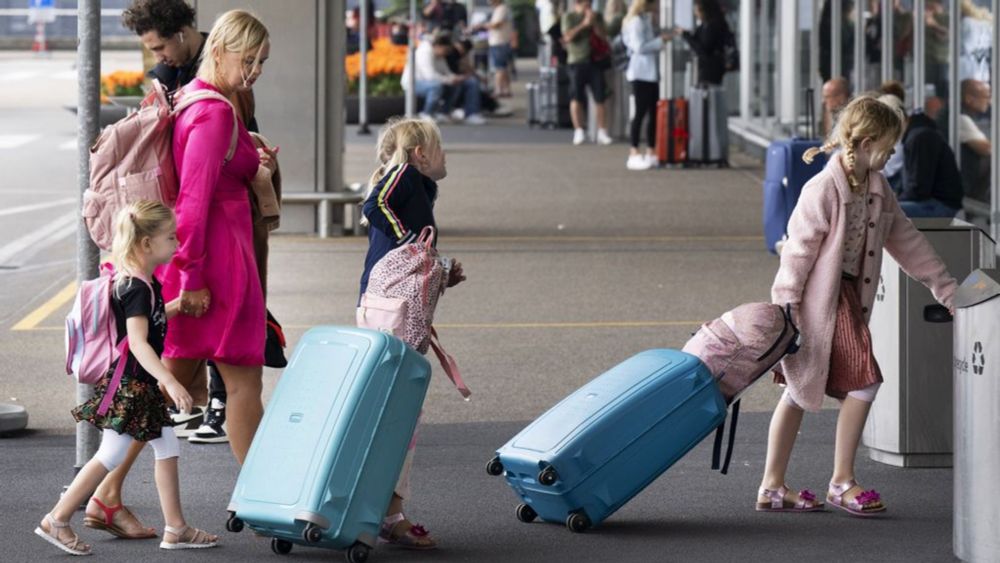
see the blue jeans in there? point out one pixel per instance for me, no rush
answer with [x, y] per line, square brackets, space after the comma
[927, 208]
[469, 93]
[432, 91]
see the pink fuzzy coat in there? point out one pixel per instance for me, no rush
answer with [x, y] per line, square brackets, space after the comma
[812, 264]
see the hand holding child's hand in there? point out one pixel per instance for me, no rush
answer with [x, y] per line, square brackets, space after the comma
[195, 303]
[179, 395]
[456, 275]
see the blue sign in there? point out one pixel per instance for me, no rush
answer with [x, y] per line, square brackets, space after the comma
[42, 4]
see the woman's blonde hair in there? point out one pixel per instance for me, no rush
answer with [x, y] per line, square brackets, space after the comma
[236, 31]
[133, 223]
[637, 8]
[864, 118]
[398, 139]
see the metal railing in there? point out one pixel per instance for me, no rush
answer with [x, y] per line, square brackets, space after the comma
[348, 200]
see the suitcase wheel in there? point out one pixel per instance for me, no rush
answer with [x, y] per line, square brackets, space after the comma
[548, 476]
[281, 547]
[577, 522]
[358, 553]
[234, 524]
[312, 533]
[494, 467]
[526, 514]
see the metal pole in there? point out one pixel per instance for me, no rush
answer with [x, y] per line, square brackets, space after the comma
[995, 132]
[667, 58]
[919, 50]
[411, 60]
[363, 81]
[815, 80]
[955, 90]
[836, 41]
[859, 46]
[88, 64]
[887, 39]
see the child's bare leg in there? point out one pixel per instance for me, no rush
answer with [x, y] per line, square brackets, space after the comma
[784, 429]
[79, 490]
[850, 425]
[109, 492]
[168, 487]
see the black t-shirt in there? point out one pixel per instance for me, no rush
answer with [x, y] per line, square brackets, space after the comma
[134, 300]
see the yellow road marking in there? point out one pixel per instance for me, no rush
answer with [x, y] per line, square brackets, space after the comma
[35, 317]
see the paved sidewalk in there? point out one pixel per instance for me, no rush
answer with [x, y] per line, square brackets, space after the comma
[574, 264]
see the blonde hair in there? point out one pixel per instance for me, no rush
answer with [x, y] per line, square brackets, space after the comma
[637, 8]
[971, 10]
[398, 139]
[236, 31]
[133, 223]
[865, 117]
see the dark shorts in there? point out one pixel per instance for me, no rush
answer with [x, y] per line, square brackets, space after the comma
[500, 56]
[582, 75]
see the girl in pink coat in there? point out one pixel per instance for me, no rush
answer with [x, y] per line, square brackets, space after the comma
[214, 272]
[829, 269]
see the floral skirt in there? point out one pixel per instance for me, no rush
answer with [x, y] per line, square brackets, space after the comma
[852, 362]
[138, 409]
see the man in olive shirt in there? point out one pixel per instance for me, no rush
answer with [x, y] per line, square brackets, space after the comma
[577, 26]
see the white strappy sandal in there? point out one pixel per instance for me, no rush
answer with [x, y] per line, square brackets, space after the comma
[73, 546]
[197, 541]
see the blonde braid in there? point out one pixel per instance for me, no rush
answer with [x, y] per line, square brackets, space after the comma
[810, 154]
[849, 152]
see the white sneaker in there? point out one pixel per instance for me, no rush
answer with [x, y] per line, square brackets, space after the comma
[442, 118]
[652, 160]
[603, 138]
[502, 111]
[579, 137]
[637, 162]
[475, 119]
[458, 114]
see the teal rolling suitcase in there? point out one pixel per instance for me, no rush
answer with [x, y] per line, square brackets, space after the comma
[329, 450]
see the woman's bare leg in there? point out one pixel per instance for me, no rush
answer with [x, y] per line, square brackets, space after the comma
[244, 408]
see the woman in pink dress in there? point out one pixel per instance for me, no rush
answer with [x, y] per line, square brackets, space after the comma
[214, 271]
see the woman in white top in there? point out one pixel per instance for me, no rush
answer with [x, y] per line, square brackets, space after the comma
[644, 46]
[500, 32]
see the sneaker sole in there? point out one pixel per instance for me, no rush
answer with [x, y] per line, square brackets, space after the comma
[195, 439]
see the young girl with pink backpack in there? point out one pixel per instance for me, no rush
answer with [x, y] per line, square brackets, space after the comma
[400, 211]
[128, 404]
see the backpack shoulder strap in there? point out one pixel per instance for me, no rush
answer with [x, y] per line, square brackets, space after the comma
[449, 365]
[191, 98]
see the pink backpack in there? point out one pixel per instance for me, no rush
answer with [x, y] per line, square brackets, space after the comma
[743, 344]
[91, 333]
[133, 160]
[739, 348]
[402, 294]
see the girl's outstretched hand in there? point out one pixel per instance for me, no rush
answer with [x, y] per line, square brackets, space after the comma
[179, 395]
[456, 275]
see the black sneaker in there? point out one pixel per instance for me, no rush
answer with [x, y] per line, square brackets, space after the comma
[211, 430]
[185, 423]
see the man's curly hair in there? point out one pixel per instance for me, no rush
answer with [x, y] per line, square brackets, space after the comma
[166, 17]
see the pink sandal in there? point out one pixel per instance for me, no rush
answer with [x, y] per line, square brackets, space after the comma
[417, 537]
[805, 503]
[865, 504]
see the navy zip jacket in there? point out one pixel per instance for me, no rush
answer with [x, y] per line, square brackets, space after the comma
[929, 168]
[399, 207]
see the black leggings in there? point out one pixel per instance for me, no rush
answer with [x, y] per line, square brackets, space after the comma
[646, 94]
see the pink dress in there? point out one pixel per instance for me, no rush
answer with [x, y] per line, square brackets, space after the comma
[215, 233]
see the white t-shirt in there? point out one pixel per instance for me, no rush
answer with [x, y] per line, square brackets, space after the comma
[500, 35]
[976, 50]
[968, 130]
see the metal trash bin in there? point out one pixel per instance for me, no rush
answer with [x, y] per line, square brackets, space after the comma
[910, 423]
[977, 418]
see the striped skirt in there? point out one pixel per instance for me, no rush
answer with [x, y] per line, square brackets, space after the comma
[852, 362]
